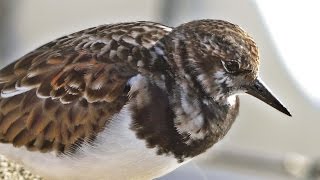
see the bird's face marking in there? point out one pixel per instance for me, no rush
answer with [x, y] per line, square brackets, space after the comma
[224, 57]
[235, 67]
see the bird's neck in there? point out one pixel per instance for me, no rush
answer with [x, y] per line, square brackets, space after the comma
[196, 113]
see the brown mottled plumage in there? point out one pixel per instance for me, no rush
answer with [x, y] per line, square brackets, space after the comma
[73, 85]
[128, 90]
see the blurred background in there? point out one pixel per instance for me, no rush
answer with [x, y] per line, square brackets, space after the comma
[263, 143]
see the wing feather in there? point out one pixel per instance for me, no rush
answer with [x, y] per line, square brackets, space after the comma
[63, 93]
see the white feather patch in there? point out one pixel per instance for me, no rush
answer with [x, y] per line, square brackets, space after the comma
[10, 93]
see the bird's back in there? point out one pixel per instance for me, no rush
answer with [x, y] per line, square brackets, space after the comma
[64, 92]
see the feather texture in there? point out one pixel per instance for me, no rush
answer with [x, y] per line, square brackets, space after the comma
[63, 93]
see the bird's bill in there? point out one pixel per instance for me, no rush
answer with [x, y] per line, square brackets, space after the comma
[260, 91]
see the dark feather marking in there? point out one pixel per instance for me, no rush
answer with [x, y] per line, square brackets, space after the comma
[154, 123]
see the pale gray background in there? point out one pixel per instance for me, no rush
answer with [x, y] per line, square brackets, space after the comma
[262, 142]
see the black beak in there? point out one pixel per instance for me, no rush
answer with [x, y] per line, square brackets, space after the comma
[260, 91]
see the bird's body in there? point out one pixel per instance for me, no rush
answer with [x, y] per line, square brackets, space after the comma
[125, 101]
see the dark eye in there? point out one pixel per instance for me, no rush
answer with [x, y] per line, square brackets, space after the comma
[231, 66]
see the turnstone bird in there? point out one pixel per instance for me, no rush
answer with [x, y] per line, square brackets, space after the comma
[127, 101]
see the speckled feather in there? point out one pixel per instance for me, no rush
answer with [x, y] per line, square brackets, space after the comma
[64, 92]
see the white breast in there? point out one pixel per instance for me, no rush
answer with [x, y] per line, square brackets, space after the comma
[117, 154]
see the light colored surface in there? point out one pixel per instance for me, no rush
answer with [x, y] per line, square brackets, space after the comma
[297, 37]
[13, 171]
[259, 128]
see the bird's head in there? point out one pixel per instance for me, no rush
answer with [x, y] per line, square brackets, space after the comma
[222, 59]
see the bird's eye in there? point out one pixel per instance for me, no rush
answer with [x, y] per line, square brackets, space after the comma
[231, 66]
